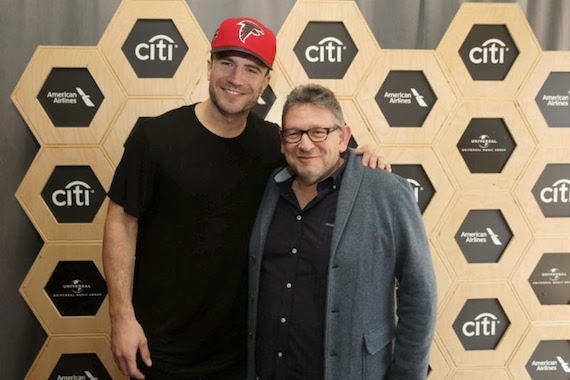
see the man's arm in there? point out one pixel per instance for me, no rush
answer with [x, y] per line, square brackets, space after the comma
[127, 335]
[417, 291]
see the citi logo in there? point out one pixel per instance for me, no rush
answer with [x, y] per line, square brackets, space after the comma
[329, 49]
[416, 187]
[483, 324]
[76, 193]
[159, 47]
[491, 51]
[558, 193]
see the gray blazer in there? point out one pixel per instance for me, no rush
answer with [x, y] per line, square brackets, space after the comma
[378, 237]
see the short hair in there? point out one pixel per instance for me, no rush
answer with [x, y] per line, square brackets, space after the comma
[316, 95]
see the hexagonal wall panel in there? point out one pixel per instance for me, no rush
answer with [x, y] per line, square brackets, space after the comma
[438, 366]
[480, 137]
[509, 340]
[353, 118]
[318, 40]
[544, 188]
[542, 280]
[475, 237]
[543, 354]
[67, 95]
[444, 190]
[75, 198]
[481, 373]
[443, 275]
[135, 110]
[66, 291]
[268, 107]
[486, 42]
[545, 98]
[388, 104]
[86, 357]
[155, 39]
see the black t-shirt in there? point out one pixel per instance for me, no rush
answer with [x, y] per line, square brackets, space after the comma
[196, 196]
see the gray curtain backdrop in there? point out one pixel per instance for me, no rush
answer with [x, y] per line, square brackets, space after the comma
[25, 24]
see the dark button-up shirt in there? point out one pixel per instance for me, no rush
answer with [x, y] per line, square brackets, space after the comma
[293, 285]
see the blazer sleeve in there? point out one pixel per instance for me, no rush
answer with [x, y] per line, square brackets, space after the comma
[417, 290]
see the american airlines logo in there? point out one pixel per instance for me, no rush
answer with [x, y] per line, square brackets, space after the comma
[483, 236]
[70, 97]
[159, 47]
[85, 366]
[480, 237]
[405, 98]
[550, 360]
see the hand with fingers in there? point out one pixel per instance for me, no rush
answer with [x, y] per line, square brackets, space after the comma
[128, 338]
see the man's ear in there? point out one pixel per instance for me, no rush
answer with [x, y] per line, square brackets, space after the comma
[209, 68]
[345, 133]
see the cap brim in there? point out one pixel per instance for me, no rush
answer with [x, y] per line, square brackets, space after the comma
[241, 50]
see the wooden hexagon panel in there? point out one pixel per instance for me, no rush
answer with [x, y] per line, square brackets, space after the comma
[68, 95]
[327, 43]
[64, 193]
[489, 49]
[66, 290]
[155, 47]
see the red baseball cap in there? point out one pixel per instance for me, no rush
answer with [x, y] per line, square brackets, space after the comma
[246, 35]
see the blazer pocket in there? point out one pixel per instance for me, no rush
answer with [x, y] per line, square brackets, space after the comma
[376, 339]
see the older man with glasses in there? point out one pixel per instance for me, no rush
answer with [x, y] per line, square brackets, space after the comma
[330, 242]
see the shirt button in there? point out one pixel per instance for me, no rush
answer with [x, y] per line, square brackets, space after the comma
[289, 285]
[280, 354]
[334, 187]
[299, 217]
[294, 250]
[283, 320]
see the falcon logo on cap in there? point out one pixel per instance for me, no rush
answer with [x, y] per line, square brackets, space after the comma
[247, 29]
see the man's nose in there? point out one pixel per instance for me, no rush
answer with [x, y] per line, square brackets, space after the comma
[236, 76]
[306, 143]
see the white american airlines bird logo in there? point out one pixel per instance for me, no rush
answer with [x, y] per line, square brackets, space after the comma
[247, 29]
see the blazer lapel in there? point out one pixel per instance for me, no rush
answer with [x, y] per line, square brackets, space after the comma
[351, 180]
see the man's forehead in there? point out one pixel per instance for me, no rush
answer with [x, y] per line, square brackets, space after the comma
[317, 115]
[238, 54]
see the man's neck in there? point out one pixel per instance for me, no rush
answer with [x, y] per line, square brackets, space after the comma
[305, 189]
[223, 125]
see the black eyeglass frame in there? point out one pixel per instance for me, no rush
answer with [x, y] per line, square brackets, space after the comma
[301, 132]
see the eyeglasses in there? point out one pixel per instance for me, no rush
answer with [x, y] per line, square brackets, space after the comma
[318, 134]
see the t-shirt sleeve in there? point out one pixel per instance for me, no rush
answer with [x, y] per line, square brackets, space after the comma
[133, 183]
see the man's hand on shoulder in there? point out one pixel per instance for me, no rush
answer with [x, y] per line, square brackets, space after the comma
[127, 337]
[372, 158]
